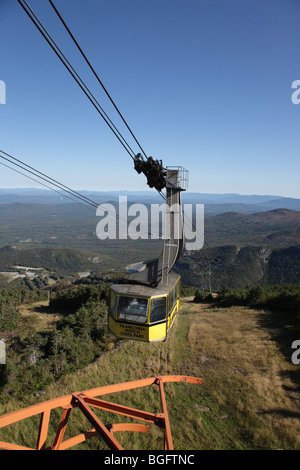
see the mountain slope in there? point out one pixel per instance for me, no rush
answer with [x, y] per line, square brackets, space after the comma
[239, 266]
[60, 261]
[276, 228]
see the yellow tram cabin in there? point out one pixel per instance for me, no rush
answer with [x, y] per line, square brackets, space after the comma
[144, 313]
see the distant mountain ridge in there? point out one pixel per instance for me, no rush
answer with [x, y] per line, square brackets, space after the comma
[277, 228]
[257, 238]
[213, 203]
[252, 248]
[74, 226]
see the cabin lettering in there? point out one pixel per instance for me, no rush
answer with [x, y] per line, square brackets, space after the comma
[132, 330]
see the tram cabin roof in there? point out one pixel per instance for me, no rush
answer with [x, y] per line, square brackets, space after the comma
[163, 287]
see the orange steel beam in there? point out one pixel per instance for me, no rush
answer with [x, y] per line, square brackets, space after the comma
[124, 410]
[128, 427]
[8, 446]
[72, 441]
[106, 435]
[61, 428]
[86, 399]
[168, 443]
[43, 431]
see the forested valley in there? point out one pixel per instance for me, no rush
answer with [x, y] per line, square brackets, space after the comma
[36, 358]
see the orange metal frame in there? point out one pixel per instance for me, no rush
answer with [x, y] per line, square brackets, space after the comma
[84, 401]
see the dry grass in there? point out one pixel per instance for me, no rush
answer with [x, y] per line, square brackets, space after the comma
[247, 400]
[38, 314]
[245, 375]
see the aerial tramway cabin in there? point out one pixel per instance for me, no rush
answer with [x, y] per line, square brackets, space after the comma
[144, 313]
[144, 305]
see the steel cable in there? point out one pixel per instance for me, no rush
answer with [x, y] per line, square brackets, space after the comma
[94, 72]
[78, 80]
[86, 202]
[74, 74]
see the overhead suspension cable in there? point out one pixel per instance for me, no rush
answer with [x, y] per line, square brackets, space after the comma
[67, 192]
[39, 182]
[94, 72]
[79, 81]
[74, 74]
[87, 92]
[46, 178]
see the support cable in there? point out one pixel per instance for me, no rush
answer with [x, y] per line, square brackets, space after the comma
[79, 81]
[43, 184]
[71, 194]
[46, 178]
[94, 72]
[76, 77]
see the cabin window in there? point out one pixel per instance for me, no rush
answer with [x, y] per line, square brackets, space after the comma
[176, 291]
[132, 309]
[112, 303]
[158, 309]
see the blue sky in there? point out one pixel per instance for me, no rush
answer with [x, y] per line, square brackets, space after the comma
[203, 84]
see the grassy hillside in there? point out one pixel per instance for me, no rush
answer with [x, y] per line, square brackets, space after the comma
[249, 398]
